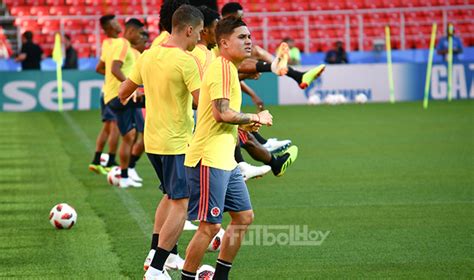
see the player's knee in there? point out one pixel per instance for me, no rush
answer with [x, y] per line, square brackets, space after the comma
[130, 136]
[209, 229]
[179, 208]
[244, 218]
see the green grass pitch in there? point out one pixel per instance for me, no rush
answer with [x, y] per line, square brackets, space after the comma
[393, 185]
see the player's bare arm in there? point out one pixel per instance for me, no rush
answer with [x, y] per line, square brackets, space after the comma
[255, 98]
[223, 113]
[127, 88]
[116, 70]
[195, 95]
[100, 67]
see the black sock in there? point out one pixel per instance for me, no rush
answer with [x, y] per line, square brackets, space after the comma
[96, 159]
[238, 154]
[160, 258]
[175, 249]
[154, 240]
[263, 66]
[295, 75]
[111, 161]
[259, 138]
[186, 275]
[133, 161]
[222, 270]
[124, 173]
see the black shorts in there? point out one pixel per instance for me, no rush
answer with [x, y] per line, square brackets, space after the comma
[128, 116]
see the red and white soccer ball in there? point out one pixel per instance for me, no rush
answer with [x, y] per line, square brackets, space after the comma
[62, 216]
[216, 242]
[104, 159]
[113, 177]
[205, 272]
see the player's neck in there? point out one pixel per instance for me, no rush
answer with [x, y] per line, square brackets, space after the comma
[236, 62]
[177, 41]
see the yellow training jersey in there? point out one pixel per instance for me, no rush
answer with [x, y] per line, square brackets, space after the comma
[106, 48]
[214, 143]
[204, 56]
[121, 50]
[168, 75]
[161, 39]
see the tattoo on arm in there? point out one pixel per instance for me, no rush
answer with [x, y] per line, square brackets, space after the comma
[222, 105]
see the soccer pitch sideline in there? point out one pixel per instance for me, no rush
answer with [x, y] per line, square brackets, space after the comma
[378, 190]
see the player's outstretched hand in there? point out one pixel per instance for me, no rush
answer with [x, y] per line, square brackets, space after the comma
[265, 118]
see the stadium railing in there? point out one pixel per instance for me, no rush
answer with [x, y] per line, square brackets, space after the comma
[313, 31]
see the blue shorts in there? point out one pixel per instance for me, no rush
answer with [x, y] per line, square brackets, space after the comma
[106, 112]
[214, 191]
[170, 171]
[128, 116]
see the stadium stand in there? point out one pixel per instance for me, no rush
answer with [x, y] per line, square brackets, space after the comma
[314, 24]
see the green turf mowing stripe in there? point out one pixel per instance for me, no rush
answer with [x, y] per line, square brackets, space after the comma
[35, 177]
[134, 208]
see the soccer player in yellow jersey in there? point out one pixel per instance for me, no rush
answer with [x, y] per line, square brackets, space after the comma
[214, 179]
[119, 63]
[171, 80]
[202, 51]
[109, 131]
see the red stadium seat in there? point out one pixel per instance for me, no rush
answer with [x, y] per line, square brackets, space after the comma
[59, 10]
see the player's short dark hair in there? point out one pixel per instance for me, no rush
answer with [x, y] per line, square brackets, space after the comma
[209, 15]
[231, 8]
[104, 20]
[187, 15]
[28, 36]
[67, 37]
[166, 13]
[134, 23]
[225, 27]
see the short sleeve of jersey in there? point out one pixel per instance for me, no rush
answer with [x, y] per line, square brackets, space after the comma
[219, 79]
[135, 76]
[192, 74]
[103, 50]
[120, 50]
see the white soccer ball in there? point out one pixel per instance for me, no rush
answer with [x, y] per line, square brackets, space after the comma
[216, 242]
[62, 216]
[340, 99]
[114, 175]
[314, 99]
[330, 99]
[104, 159]
[205, 272]
[361, 98]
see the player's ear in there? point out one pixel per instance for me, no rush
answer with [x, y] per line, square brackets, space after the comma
[224, 43]
[189, 31]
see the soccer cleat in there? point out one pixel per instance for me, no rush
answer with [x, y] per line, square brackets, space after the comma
[249, 171]
[148, 259]
[174, 262]
[189, 226]
[311, 75]
[132, 173]
[275, 146]
[280, 63]
[128, 182]
[288, 158]
[97, 168]
[155, 274]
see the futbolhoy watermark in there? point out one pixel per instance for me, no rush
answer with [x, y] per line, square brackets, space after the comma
[283, 235]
